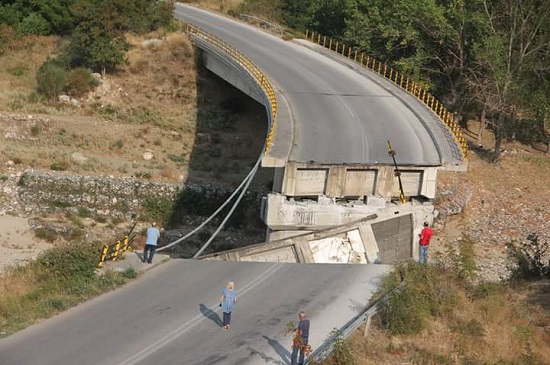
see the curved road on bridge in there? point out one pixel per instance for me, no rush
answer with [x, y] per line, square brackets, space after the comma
[171, 316]
[341, 115]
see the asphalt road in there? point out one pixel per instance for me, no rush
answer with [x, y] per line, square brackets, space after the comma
[170, 316]
[340, 116]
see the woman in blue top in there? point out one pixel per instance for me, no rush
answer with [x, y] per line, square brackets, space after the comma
[227, 301]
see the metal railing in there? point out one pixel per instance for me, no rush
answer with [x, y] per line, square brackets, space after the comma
[195, 33]
[117, 250]
[323, 351]
[399, 79]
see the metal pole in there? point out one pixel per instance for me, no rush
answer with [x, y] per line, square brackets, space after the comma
[397, 173]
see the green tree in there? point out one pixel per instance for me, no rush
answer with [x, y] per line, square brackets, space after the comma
[35, 24]
[11, 13]
[516, 37]
[329, 16]
[96, 48]
[56, 12]
[98, 42]
[295, 13]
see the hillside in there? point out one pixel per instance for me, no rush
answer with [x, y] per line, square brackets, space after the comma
[160, 118]
[139, 122]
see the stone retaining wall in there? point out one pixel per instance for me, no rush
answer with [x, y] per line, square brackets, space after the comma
[41, 191]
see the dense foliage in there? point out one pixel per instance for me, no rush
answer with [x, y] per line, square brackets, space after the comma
[484, 58]
[96, 28]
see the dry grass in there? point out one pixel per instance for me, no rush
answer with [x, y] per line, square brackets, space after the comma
[150, 104]
[509, 336]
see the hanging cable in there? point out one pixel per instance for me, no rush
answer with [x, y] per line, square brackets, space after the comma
[246, 181]
[230, 212]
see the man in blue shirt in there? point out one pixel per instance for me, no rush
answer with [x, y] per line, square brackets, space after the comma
[153, 235]
[301, 340]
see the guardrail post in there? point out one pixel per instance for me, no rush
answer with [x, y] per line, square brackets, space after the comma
[367, 324]
[343, 48]
[319, 38]
[385, 69]
[355, 56]
[324, 41]
[125, 245]
[379, 67]
[330, 44]
[307, 33]
[104, 251]
[117, 251]
[362, 57]
[336, 50]
[349, 52]
[368, 61]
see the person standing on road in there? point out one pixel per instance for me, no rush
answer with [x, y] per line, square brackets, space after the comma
[301, 340]
[153, 235]
[425, 236]
[227, 302]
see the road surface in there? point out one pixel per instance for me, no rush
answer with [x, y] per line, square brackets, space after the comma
[171, 316]
[340, 116]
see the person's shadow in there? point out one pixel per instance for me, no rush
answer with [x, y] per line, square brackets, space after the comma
[210, 314]
[283, 353]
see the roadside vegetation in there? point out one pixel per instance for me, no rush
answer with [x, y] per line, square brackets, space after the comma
[58, 279]
[446, 315]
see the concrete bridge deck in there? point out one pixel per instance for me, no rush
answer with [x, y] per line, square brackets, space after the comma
[336, 114]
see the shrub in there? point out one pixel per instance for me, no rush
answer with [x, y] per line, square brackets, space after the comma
[59, 166]
[529, 258]
[142, 175]
[36, 129]
[79, 81]
[118, 144]
[342, 353]
[429, 292]
[180, 159]
[71, 261]
[34, 23]
[46, 234]
[157, 209]
[83, 212]
[50, 78]
[18, 70]
[100, 219]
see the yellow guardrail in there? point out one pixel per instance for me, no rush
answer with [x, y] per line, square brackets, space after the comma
[399, 79]
[258, 75]
[116, 251]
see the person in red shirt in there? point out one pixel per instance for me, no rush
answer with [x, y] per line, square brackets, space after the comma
[424, 242]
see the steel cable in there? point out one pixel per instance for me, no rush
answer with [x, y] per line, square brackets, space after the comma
[246, 183]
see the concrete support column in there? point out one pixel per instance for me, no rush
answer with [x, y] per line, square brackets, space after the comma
[336, 181]
[384, 184]
[278, 178]
[289, 180]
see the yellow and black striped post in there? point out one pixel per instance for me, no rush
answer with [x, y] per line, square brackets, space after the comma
[104, 251]
[117, 251]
